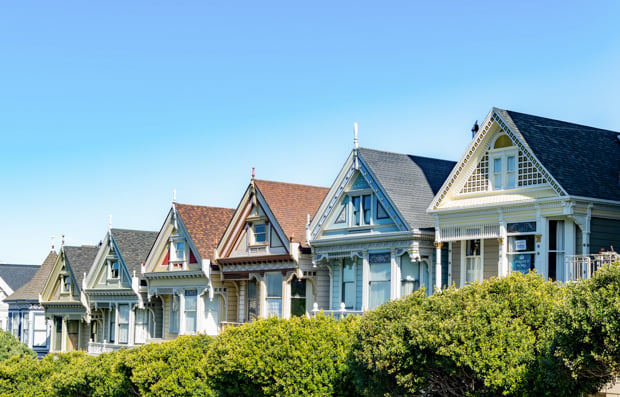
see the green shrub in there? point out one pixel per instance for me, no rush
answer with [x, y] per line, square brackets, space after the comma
[274, 357]
[10, 346]
[492, 338]
[588, 341]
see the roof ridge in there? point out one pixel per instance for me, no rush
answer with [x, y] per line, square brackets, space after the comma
[290, 183]
[565, 123]
[407, 154]
[204, 206]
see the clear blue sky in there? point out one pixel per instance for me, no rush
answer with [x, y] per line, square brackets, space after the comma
[107, 107]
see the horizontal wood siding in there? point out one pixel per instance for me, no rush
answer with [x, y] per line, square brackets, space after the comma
[337, 275]
[491, 257]
[456, 263]
[604, 233]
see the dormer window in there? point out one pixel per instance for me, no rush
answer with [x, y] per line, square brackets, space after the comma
[66, 284]
[503, 160]
[361, 207]
[113, 267]
[178, 251]
[259, 233]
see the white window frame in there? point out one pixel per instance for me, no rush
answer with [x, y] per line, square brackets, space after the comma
[111, 274]
[255, 233]
[510, 235]
[65, 284]
[502, 155]
[193, 293]
[39, 329]
[178, 257]
[360, 195]
[466, 261]
[352, 282]
[123, 324]
[273, 298]
[175, 314]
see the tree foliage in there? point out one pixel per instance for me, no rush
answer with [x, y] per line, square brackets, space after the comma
[490, 338]
[275, 357]
[10, 346]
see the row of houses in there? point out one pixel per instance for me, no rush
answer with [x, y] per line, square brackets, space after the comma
[529, 193]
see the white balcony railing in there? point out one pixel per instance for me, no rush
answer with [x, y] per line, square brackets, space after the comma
[337, 314]
[582, 267]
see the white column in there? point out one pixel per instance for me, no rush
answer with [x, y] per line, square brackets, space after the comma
[394, 275]
[241, 303]
[365, 280]
[542, 246]
[503, 248]
[450, 263]
[569, 241]
[438, 265]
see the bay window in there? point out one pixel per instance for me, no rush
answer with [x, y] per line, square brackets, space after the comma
[521, 246]
[273, 282]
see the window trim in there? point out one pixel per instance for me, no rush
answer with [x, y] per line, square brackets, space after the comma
[503, 155]
[265, 233]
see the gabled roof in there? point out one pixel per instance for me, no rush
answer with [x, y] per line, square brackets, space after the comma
[80, 259]
[16, 276]
[410, 181]
[134, 246]
[291, 203]
[32, 289]
[584, 160]
[205, 225]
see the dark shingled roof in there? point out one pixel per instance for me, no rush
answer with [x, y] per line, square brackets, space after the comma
[411, 182]
[17, 275]
[32, 289]
[80, 259]
[134, 246]
[584, 160]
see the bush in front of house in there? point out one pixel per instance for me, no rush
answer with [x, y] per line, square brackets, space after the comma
[486, 339]
[275, 357]
[10, 346]
[588, 341]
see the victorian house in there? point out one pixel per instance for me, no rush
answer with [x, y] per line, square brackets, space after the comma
[27, 320]
[181, 276]
[62, 298]
[372, 233]
[116, 293]
[529, 193]
[12, 277]
[263, 255]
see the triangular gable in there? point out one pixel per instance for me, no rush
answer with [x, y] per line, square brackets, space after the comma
[354, 175]
[237, 239]
[472, 173]
[105, 275]
[54, 286]
[159, 256]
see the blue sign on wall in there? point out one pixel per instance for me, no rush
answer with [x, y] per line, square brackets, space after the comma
[522, 263]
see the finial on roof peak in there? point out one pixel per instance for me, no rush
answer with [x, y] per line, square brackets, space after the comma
[174, 195]
[52, 239]
[62, 244]
[355, 145]
[110, 222]
[253, 172]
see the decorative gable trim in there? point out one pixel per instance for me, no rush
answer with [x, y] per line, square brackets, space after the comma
[480, 145]
[339, 191]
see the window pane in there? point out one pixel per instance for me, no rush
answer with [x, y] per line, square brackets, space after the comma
[521, 262]
[510, 182]
[379, 293]
[381, 212]
[274, 284]
[190, 299]
[521, 227]
[497, 182]
[123, 314]
[348, 295]
[141, 326]
[497, 165]
[274, 307]
[367, 207]
[260, 233]
[356, 210]
[348, 273]
[180, 250]
[380, 272]
[190, 322]
[510, 163]
[298, 288]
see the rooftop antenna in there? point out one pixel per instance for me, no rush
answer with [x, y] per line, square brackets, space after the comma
[355, 145]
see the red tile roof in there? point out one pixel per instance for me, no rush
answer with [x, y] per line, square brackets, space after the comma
[205, 225]
[291, 203]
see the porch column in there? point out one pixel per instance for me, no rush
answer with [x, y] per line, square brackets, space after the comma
[365, 280]
[394, 275]
[63, 338]
[503, 247]
[438, 265]
[450, 263]
[241, 303]
[569, 245]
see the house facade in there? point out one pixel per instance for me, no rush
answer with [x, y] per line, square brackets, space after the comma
[530, 193]
[115, 291]
[264, 257]
[180, 273]
[62, 298]
[372, 233]
[12, 277]
[27, 321]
